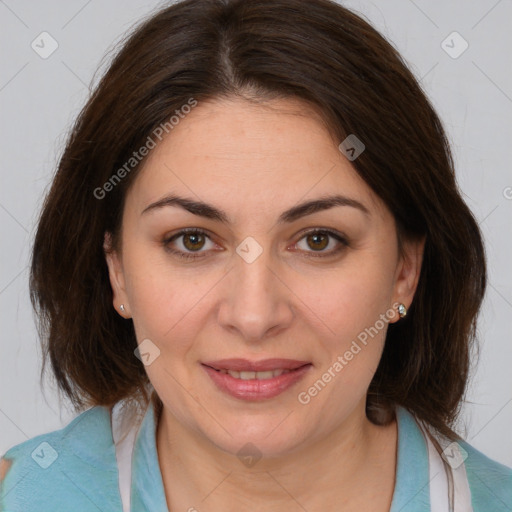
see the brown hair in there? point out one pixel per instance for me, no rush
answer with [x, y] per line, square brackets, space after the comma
[327, 56]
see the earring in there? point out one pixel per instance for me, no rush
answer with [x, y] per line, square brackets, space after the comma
[121, 307]
[402, 310]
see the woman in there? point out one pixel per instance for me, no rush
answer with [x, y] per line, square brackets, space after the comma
[255, 270]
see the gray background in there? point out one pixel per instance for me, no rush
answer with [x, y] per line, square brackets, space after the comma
[39, 98]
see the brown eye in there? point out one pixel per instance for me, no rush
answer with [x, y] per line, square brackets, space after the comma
[193, 241]
[188, 244]
[318, 240]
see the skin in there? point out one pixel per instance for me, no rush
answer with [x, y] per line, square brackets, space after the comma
[254, 162]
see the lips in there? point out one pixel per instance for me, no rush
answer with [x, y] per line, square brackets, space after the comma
[248, 375]
[244, 365]
[255, 380]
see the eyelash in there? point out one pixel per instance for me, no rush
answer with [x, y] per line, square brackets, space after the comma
[191, 256]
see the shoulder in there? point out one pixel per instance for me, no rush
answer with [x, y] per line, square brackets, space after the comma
[74, 466]
[490, 482]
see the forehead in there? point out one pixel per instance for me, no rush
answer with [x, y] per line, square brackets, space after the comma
[236, 129]
[249, 155]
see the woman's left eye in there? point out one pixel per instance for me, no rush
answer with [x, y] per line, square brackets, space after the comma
[318, 239]
[193, 240]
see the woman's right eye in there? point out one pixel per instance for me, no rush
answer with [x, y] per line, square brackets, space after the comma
[193, 240]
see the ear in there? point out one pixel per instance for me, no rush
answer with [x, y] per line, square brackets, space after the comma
[116, 276]
[408, 272]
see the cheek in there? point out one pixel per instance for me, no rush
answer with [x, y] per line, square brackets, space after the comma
[354, 303]
[159, 296]
[169, 303]
[351, 297]
[353, 309]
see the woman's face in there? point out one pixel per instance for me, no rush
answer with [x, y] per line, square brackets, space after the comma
[258, 285]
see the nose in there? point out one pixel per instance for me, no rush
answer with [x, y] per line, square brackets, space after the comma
[257, 302]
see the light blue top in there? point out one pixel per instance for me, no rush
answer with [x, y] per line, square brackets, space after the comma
[75, 469]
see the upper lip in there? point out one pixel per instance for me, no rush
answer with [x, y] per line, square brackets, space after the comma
[242, 365]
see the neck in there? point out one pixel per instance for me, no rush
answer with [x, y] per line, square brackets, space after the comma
[331, 472]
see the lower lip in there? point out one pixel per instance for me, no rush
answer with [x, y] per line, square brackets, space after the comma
[255, 389]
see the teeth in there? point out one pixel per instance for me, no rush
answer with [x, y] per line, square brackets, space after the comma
[255, 375]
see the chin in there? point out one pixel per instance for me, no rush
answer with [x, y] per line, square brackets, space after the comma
[265, 436]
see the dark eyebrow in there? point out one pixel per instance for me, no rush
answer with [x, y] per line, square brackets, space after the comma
[296, 212]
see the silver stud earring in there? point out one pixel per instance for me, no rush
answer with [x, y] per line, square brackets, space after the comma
[121, 307]
[402, 310]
